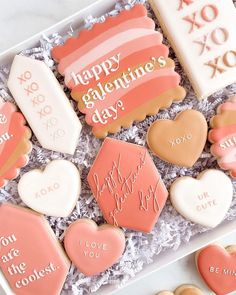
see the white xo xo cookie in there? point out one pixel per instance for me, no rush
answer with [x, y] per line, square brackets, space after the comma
[183, 290]
[179, 141]
[52, 192]
[204, 200]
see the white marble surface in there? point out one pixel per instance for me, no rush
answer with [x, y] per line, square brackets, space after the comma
[22, 19]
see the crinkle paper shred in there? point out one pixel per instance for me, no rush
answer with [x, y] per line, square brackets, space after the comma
[171, 229]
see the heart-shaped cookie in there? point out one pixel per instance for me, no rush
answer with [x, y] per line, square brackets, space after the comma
[14, 142]
[183, 290]
[179, 141]
[217, 266]
[204, 200]
[91, 248]
[54, 191]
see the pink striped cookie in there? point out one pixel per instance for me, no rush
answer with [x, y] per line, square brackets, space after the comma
[223, 136]
[14, 142]
[119, 71]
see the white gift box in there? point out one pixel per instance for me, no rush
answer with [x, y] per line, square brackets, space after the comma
[142, 283]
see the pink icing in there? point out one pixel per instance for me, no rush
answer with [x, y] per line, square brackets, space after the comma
[93, 249]
[127, 185]
[32, 260]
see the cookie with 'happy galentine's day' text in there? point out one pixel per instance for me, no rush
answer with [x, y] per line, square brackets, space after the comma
[119, 71]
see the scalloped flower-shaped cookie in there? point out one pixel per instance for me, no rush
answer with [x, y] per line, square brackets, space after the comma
[119, 71]
[223, 136]
[14, 142]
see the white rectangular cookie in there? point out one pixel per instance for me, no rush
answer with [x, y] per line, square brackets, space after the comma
[202, 33]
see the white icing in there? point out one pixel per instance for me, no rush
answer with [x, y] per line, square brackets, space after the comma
[205, 200]
[54, 191]
[44, 104]
[216, 28]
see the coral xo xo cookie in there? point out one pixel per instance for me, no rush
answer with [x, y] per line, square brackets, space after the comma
[119, 71]
[14, 142]
[202, 33]
[223, 136]
[127, 185]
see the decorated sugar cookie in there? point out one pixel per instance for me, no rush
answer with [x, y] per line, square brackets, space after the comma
[183, 290]
[223, 136]
[54, 191]
[14, 142]
[119, 71]
[180, 141]
[127, 185]
[32, 260]
[93, 248]
[217, 266]
[44, 104]
[202, 33]
[204, 200]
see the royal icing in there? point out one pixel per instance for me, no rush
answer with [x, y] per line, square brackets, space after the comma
[223, 136]
[14, 142]
[44, 104]
[183, 290]
[54, 191]
[203, 36]
[180, 141]
[119, 71]
[217, 266]
[93, 248]
[204, 200]
[31, 258]
[127, 185]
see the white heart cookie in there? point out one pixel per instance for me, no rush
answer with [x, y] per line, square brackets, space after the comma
[204, 200]
[54, 191]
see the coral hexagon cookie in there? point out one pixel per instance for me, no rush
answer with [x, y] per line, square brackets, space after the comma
[14, 142]
[119, 71]
[32, 260]
[127, 186]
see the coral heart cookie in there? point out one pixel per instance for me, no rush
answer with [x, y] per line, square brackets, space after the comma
[127, 185]
[14, 142]
[119, 71]
[93, 248]
[183, 290]
[180, 141]
[223, 136]
[44, 104]
[54, 191]
[217, 266]
[32, 260]
[204, 200]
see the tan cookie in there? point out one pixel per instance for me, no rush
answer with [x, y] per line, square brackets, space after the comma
[179, 141]
[183, 290]
[223, 135]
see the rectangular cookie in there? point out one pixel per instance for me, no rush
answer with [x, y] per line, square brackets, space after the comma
[202, 33]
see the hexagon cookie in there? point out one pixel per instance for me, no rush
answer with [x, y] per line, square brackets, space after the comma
[127, 185]
[31, 258]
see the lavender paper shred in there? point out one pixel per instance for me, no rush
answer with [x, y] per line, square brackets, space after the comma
[171, 229]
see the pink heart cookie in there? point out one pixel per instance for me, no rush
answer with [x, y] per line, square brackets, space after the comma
[93, 248]
[127, 185]
[14, 142]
